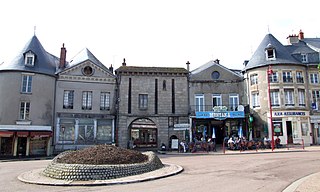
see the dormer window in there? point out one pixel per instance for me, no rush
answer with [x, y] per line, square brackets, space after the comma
[304, 58]
[270, 52]
[29, 59]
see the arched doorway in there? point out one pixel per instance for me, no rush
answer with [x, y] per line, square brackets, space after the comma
[143, 133]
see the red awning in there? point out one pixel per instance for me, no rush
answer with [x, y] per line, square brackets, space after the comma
[22, 133]
[6, 133]
[41, 134]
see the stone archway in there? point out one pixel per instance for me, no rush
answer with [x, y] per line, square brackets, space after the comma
[143, 133]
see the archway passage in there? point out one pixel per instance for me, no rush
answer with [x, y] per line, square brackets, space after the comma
[143, 133]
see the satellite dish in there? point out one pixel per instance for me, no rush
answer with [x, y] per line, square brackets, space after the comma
[240, 108]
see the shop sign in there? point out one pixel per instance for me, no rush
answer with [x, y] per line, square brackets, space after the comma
[182, 127]
[290, 113]
[220, 115]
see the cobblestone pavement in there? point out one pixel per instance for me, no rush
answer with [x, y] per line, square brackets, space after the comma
[290, 170]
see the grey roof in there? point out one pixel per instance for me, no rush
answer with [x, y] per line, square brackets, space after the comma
[283, 56]
[298, 48]
[212, 63]
[45, 62]
[83, 56]
[151, 69]
[313, 43]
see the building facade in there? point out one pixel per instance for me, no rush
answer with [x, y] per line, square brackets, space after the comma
[217, 102]
[282, 83]
[151, 101]
[27, 102]
[84, 104]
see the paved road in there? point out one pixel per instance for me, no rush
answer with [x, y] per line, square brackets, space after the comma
[237, 172]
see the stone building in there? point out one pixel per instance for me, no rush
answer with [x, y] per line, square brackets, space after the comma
[283, 88]
[217, 101]
[85, 103]
[152, 100]
[27, 101]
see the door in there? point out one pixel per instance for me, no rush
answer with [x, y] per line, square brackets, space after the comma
[289, 131]
[22, 146]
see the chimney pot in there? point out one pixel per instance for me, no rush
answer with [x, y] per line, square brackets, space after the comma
[301, 35]
[124, 62]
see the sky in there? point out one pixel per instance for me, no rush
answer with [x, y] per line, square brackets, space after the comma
[155, 33]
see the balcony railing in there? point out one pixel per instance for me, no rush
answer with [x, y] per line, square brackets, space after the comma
[197, 108]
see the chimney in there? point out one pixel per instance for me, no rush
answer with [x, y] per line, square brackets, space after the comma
[188, 66]
[301, 35]
[124, 62]
[292, 39]
[63, 55]
[217, 61]
[245, 63]
[111, 69]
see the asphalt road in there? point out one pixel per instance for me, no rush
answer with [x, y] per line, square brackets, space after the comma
[237, 172]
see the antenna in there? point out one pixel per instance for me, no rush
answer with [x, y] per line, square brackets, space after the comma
[268, 29]
[34, 30]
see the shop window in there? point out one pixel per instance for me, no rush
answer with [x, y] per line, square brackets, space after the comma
[104, 130]
[304, 129]
[86, 131]
[66, 130]
[277, 127]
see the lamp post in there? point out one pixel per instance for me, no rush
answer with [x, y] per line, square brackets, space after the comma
[269, 73]
[63, 129]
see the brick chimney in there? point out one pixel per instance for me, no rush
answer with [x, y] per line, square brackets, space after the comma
[301, 35]
[63, 55]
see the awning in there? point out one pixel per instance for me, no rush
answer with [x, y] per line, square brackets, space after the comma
[22, 133]
[6, 133]
[41, 134]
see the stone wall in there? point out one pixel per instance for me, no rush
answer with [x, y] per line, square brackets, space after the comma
[100, 172]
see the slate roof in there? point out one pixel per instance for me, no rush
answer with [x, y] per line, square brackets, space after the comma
[314, 43]
[283, 56]
[83, 56]
[151, 69]
[211, 63]
[45, 62]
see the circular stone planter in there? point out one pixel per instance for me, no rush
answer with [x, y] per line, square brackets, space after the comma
[83, 172]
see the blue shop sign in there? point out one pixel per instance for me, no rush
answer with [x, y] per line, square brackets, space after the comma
[220, 115]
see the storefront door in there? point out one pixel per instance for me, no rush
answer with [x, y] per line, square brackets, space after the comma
[22, 146]
[289, 131]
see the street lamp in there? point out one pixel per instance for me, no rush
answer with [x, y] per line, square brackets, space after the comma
[63, 129]
[269, 73]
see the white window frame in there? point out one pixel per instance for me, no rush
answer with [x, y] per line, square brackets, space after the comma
[315, 98]
[233, 101]
[105, 101]
[314, 78]
[87, 100]
[24, 110]
[289, 97]
[287, 77]
[269, 55]
[304, 58]
[68, 98]
[254, 79]
[216, 100]
[275, 98]
[199, 102]
[26, 84]
[299, 75]
[274, 78]
[29, 59]
[255, 99]
[301, 97]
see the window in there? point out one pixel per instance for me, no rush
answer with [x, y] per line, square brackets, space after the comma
[299, 77]
[104, 101]
[304, 58]
[216, 100]
[233, 102]
[301, 94]
[143, 101]
[315, 99]
[67, 130]
[289, 98]
[199, 102]
[254, 79]
[275, 101]
[164, 85]
[26, 84]
[255, 100]
[24, 110]
[104, 130]
[172, 121]
[270, 53]
[29, 59]
[287, 77]
[215, 75]
[86, 131]
[87, 70]
[274, 77]
[68, 99]
[314, 78]
[87, 100]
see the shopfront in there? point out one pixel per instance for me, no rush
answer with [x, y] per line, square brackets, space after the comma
[20, 141]
[292, 127]
[218, 125]
[143, 133]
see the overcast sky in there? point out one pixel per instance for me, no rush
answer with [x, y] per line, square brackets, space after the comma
[163, 33]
